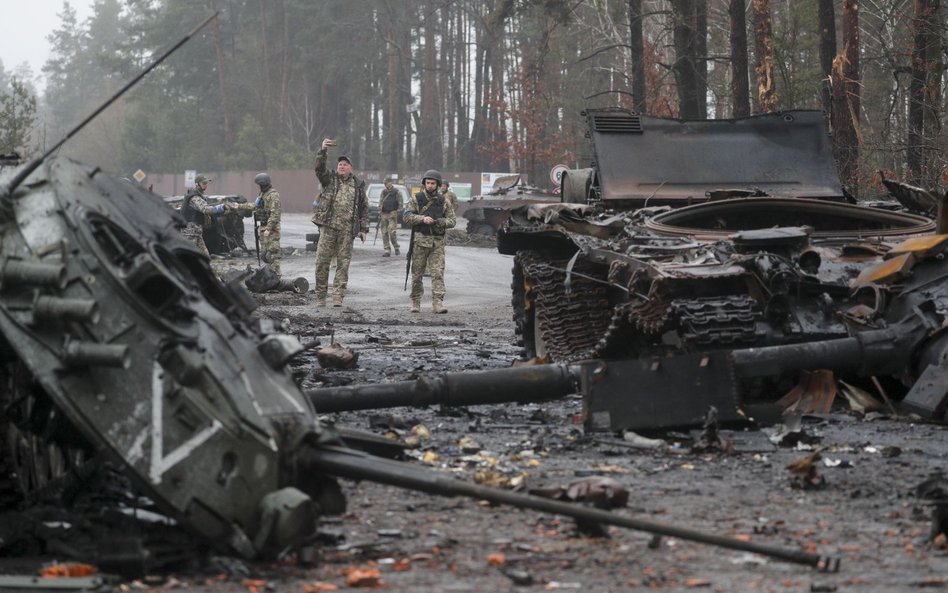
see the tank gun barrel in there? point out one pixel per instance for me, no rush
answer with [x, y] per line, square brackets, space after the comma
[345, 463]
[873, 352]
[517, 384]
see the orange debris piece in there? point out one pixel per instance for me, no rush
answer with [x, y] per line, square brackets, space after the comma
[67, 569]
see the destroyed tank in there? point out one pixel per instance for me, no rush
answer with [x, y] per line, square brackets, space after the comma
[117, 338]
[694, 237]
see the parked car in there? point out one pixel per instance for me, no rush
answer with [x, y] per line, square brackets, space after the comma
[374, 190]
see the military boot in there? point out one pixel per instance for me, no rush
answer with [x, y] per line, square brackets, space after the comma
[321, 301]
[416, 305]
[337, 300]
[438, 306]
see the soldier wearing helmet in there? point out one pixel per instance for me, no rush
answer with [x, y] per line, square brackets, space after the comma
[197, 213]
[266, 212]
[430, 216]
[341, 213]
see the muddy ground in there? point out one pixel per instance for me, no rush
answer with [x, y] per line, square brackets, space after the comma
[866, 512]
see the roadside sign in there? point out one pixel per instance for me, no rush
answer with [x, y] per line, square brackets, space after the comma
[189, 176]
[138, 176]
[556, 173]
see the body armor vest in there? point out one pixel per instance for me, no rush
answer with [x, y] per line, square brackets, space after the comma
[389, 200]
[435, 210]
[190, 213]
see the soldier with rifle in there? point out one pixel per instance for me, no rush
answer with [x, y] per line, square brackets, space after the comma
[266, 221]
[430, 216]
[390, 203]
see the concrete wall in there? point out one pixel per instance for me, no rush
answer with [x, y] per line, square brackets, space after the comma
[297, 187]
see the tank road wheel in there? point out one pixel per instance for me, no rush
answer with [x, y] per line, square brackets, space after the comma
[523, 309]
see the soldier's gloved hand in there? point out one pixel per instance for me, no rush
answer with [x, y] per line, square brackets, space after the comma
[258, 201]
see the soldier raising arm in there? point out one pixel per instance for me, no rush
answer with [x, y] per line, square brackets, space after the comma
[341, 213]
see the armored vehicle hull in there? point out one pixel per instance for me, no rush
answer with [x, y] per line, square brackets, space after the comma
[691, 238]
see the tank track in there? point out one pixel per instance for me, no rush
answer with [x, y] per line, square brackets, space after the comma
[584, 324]
[569, 325]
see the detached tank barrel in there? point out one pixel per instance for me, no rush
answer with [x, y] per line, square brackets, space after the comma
[884, 351]
[345, 463]
[517, 384]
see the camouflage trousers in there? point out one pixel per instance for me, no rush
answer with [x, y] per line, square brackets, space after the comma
[195, 234]
[338, 244]
[270, 249]
[427, 256]
[388, 223]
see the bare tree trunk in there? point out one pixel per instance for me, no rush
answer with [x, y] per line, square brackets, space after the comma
[394, 112]
[740, 88]
[460, 81]
[922, 95]
[686, 72]
[429, 135]
[827, 23]
[637, 56]
[764, 49]
[490, 70]
[701, 55]
[846, 99]
[284, 57]
[448, 40]
[222, 82]
[264, 39]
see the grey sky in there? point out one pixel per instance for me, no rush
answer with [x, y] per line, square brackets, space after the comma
[24, 27]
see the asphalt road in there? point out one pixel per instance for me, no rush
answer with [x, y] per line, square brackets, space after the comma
[475, 279]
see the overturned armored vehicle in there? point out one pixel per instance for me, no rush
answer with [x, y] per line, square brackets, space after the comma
[766, 263]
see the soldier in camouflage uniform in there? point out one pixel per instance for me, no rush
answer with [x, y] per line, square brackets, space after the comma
[430, 216]
[390, 204]
[342, 212]
[197, 213]
[266, 211]
[449, 195]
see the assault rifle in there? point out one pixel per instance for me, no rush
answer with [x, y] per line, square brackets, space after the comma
[256, 235]
[411, 247]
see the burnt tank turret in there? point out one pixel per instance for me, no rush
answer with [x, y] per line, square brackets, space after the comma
[115, 325]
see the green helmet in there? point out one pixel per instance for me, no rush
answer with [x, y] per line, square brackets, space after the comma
[262, 179]
[431, 174]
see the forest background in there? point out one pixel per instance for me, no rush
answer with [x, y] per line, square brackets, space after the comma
[477, 85]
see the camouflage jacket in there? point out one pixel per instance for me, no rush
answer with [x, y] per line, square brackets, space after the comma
[268, 210]
[328, 213]
[436, 207]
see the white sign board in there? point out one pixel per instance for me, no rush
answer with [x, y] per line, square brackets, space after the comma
[138, 175]
[556, 173]
[488, 179]
[189, 176]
